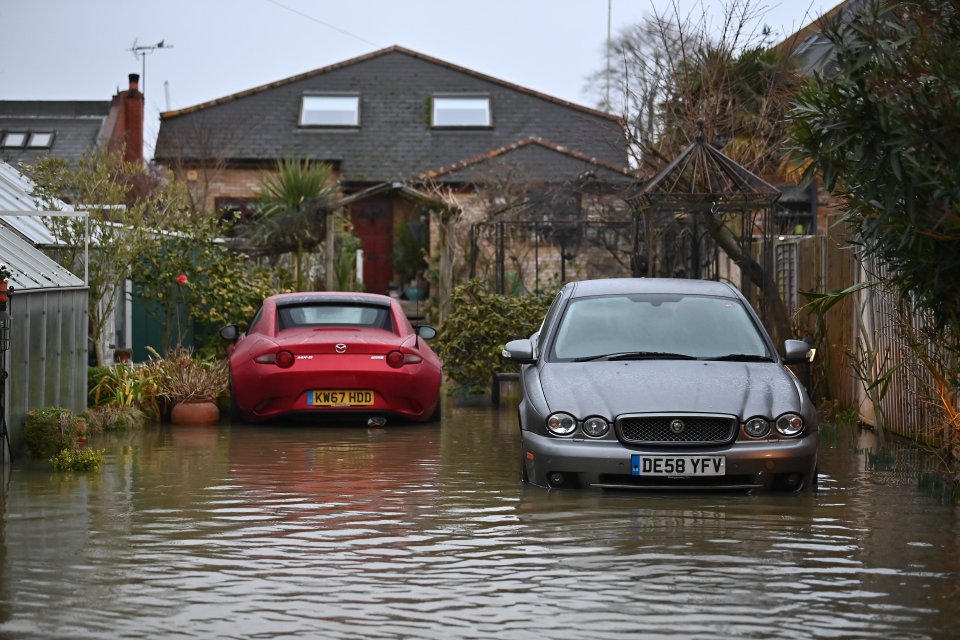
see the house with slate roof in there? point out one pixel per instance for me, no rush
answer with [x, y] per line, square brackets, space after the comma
[68, 129]
[385, 121]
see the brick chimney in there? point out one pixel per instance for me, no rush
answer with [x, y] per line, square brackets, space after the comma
[133, 117]
[125, 123]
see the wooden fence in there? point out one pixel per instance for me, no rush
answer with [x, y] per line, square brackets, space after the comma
[868, 332]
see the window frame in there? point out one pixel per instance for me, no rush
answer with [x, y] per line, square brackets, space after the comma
[48, 145]
[4, 140]
[329, 125]
[439, 97]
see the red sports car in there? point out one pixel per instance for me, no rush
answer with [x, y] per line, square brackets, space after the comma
[333, 354]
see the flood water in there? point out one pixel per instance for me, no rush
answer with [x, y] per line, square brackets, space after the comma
[424, 531]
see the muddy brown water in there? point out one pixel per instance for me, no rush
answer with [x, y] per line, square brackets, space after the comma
[424, 531]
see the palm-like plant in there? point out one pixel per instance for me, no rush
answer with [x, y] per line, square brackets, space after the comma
[294, 205]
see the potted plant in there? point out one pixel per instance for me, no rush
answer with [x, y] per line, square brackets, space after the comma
[190, 386]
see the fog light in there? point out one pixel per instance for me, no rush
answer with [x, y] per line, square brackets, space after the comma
[595, 427]
[561, 424]
[757, 427]
[555, 479]
[789, 424]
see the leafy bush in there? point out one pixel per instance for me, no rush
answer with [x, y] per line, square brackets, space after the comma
[94, 375]
[128, 387]
[481, 323]
[49, 430]
[78, 460]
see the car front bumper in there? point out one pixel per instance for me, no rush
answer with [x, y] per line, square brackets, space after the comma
[602, 464]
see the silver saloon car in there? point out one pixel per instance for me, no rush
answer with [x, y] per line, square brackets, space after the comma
[656, 383]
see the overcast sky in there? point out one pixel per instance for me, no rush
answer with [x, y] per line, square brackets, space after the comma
[81, 50]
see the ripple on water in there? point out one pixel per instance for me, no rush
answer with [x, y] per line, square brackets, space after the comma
[424, 532]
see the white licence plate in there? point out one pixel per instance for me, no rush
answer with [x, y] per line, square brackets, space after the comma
[677, 465]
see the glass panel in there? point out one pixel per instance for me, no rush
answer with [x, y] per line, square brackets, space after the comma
[334, 315]
[41, 139]
[14, 139]
[691, 325]
[461, 112]
[330, 111]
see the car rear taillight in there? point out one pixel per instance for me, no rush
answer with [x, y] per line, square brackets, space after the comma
[397, 359]
[283, 359]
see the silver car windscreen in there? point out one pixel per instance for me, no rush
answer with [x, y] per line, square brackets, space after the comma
[689, 325]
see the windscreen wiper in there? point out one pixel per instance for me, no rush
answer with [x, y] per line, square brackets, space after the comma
[742, 357]
[636, 355]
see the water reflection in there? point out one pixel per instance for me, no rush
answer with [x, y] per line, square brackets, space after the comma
[424, 531]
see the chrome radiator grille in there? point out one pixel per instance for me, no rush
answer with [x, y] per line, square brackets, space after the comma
[692, 430]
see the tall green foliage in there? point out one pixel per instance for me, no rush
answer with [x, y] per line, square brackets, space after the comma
[294, 203]
[881, 128]
[123, 203]
[481, 323]
[198, 282]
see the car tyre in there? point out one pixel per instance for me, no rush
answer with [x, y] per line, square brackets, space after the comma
[437, 411]
[235, 414]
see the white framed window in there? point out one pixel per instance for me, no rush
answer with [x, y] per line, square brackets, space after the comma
[13, 139]
[330, 111]
[41, 140]
[460, 111]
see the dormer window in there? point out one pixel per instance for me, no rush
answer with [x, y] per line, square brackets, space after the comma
[330, 111]
[460, 111]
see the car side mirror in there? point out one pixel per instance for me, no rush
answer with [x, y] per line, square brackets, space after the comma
[797, 351]
[230, 332]
[426, 332]
[520, 351]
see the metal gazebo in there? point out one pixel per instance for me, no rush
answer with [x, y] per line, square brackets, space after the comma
[700, 203]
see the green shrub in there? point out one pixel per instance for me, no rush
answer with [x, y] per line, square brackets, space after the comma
[49, 430]
[94, 375]
[127, 386]
[481, 323]
[78, 460]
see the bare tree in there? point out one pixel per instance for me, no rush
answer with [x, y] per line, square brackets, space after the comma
[680, 78]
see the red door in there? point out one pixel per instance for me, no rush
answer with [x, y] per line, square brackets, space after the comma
[373, 223]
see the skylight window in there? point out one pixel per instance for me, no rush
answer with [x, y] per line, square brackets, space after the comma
[41, 140]
[461, 111]
[13, 139]
[330, 111]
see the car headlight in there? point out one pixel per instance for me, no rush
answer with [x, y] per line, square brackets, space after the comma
[757, 427]
[561, 424]
[595, 426]
[789, 424]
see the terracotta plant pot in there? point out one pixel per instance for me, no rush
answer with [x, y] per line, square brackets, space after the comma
[195, 412]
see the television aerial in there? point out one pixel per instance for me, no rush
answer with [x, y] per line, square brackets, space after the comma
[141, 51]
